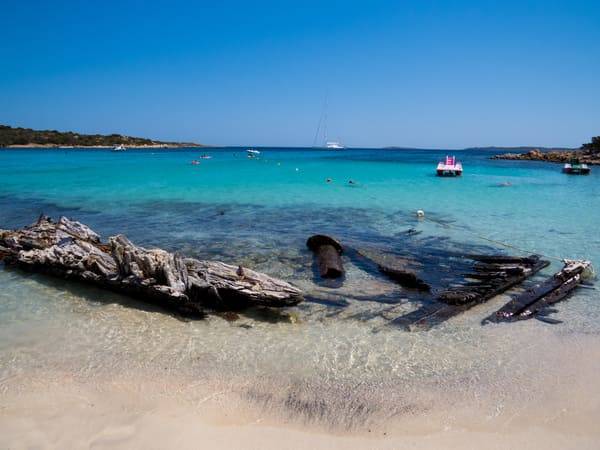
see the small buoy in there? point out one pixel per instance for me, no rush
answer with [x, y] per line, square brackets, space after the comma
[420, 213]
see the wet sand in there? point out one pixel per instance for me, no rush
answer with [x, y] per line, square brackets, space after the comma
[552, 405]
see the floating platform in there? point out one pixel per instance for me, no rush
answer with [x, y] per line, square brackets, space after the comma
[449, 168]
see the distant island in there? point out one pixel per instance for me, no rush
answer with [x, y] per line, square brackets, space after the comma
[588, 153]
[26, 137]
[489, 148]
[521, 149]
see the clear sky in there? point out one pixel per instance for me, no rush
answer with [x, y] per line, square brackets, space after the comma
[445, 74]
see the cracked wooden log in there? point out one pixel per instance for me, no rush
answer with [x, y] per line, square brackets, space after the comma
[328, 252]
[72, 250]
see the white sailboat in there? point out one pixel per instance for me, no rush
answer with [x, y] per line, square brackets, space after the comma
[119, 148]
[322, 127]
[334, 145]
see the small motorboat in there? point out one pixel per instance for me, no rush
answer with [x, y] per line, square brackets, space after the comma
[119, 148]
[195, 162]
[205, 157]
[252, 153]
[574, 167]
[449, 168]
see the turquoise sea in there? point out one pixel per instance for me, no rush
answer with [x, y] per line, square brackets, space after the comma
[259, 212]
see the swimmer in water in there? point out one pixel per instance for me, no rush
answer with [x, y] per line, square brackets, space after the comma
[328, 180]
[352, 182]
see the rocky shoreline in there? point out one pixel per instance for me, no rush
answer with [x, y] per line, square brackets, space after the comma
[556, 157]
[588, 154]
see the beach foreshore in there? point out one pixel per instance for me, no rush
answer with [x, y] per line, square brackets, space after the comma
[162, 413]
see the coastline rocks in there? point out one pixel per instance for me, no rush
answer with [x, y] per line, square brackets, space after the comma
[71, 250]
[552, 156]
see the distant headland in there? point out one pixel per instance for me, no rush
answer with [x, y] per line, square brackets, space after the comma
[12, 137]
[588, 153]
[520, 149]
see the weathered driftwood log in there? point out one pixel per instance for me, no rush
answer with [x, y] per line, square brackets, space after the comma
[534, 300]
[328, 252]
[70, 249]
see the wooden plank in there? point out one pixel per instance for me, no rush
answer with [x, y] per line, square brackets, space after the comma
[531, 301]
[554, 297]
[469, 295]
[502, 259]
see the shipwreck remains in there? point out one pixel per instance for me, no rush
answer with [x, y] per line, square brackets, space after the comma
[535, 301]
[71, 250]
[328, 252]
[490, 275]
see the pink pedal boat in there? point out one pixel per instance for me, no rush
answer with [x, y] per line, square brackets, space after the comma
[449, 168]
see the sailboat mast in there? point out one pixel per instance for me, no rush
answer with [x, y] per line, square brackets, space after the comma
[317, 133]
[321, 126]
[325, 124]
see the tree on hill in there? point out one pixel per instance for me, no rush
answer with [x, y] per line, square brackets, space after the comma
[592, 147]
[26, 136]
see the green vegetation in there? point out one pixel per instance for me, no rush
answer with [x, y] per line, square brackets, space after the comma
[592, 147]
[26, 136]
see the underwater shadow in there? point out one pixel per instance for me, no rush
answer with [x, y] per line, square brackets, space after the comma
[97, 295]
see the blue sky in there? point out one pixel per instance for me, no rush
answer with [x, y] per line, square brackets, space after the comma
[445, 74]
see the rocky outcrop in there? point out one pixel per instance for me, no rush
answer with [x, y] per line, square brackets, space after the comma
[72, 250]
[553, 156]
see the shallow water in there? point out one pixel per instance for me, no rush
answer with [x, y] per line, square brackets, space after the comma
[337, 359]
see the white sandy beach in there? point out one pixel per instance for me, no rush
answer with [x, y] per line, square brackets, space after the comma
[556, 409]
[120, 416]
